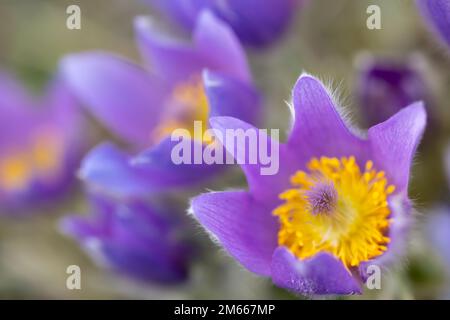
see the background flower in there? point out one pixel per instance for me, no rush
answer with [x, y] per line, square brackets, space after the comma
[40, 143]
[255, 24]
[437, 15]
[140, 240]
[385, 86]
[145, 107]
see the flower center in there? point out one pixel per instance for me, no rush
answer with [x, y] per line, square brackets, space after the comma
[14, 172]
[336, 208]
[46, 152]
[42, 159]
[187, 104]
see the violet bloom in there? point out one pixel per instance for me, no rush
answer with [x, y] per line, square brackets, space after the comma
[337, 205]
[256, 23]
[144, 107]
[385, 87]
[133, 238]
[437, 15]
[40, 144]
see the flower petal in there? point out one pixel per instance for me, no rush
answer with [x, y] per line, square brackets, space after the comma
[214, 46]
[273, 170]
[247, 230]
[321, 274]
[169, 58]
[319, 129]
[167, 173]
[386, 86]
[114, 172]
[218, 44]
[107, 169]
[256, 24]
[16, 117]
[230, 97]
[133, 238]
[437, 13]
[180, 11]
[394, 142]
[120, 94]
[12, 93]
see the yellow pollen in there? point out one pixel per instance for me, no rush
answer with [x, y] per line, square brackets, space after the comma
[46, 152]
[42, 159]
[189, 103]
[14, 172]
[336, 208]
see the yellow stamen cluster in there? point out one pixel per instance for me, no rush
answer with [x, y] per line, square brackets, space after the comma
[354, 230]
[188, 104]
[40, 159]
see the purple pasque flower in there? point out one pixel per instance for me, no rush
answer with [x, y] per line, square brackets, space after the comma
[386, 86]
[134, 238]
[257, 24]
[337, 204]
[144, 107]
[41, 142]
[437, 15]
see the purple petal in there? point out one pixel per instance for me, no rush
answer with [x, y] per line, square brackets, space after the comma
[214, 46]
[256, 24]
[171, 59]
[385, 87]
[121, 95]
[62, 109]
[245, 229]
[114, 172]
[180, 11]
[16, 116]
[319, 129]
[167, 174]
[437, 15]
[107, 169]
[217, 43]
[132, 238]
[26, 124]
[12, 94]
[282, 164]
[394, 142]
[230, 97]
[321, 274]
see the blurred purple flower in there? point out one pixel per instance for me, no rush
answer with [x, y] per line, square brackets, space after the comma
[134, 238]
[285, 226]
[438, 232]
[256, 24]
[41, 142]
[438, 224]
[385, 87]
[437, 15]
[145, 107]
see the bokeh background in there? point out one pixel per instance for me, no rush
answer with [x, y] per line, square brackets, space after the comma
[328, 39]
